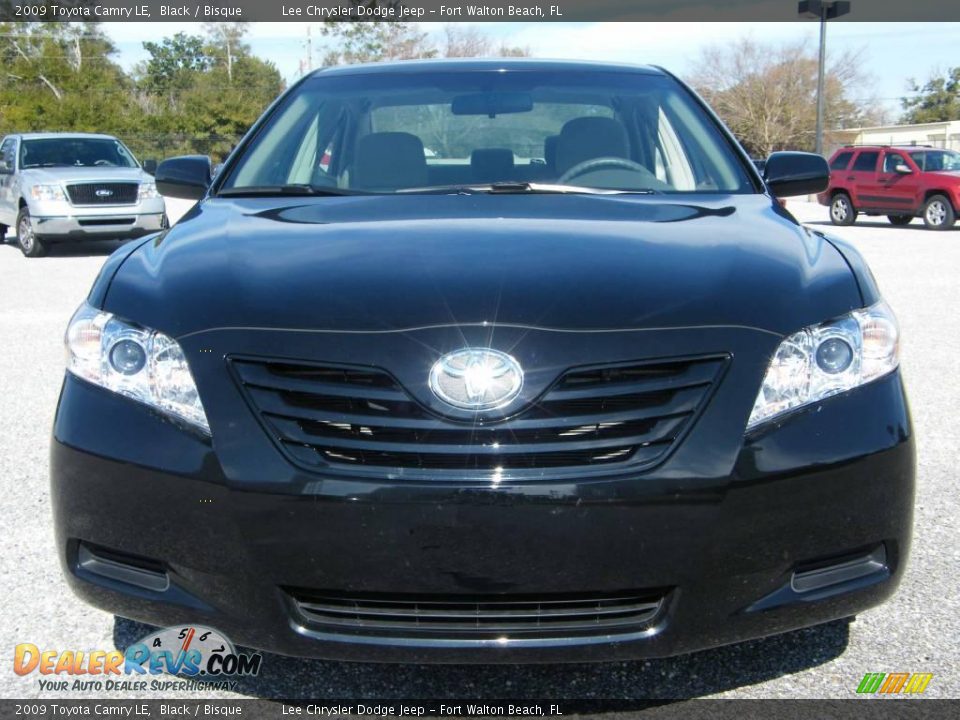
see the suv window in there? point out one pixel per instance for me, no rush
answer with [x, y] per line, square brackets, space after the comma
[866, 161]
[936, 160]
[891, 160]
[841, 161]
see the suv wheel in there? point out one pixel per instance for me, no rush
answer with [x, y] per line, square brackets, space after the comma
[841, 210]
[30, 244]
[899, 219]
[938, 213]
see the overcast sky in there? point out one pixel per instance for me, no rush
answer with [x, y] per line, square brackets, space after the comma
[892, 52]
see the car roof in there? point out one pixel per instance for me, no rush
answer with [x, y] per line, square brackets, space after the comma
[55, 135]
[900, 148]
[485, 65]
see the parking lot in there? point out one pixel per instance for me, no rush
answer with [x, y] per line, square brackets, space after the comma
[914, 632]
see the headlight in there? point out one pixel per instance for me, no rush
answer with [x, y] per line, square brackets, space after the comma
[47, 192]
[142, 364]
[827, 359]
[148, 191]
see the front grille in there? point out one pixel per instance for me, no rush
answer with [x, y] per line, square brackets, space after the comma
[322, 415]
[97, 193]
[452, 616]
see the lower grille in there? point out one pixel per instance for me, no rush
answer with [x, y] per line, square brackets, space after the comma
[103, 193]
[107, 221]
[324, 415]
[476, 617]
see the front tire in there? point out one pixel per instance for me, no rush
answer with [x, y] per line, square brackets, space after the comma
[30, 244]
[899, 219]
[938, 213]
[842, 211]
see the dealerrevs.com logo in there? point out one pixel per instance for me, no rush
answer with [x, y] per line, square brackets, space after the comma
[194, 653]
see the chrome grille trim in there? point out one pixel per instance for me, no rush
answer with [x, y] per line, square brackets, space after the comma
[477, 616]
[337, 416]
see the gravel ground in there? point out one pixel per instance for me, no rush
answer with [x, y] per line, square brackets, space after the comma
[916, 631]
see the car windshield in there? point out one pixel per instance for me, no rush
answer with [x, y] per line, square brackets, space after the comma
[75, 152]
[937, 160]
[489, 131]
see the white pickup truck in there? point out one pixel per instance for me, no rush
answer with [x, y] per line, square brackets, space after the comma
[58, 187]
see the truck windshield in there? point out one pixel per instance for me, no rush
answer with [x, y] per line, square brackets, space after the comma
[75, 152]
[387, 132]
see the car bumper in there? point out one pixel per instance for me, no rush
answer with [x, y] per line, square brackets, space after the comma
[730, 557]
[82, 227]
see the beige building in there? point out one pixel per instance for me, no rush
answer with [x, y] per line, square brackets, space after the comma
[938, 134]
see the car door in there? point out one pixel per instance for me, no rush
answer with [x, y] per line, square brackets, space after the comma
[862, 179]
[8, 166]
[899, 190]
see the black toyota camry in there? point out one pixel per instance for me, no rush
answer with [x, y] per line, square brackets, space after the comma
[485, 361]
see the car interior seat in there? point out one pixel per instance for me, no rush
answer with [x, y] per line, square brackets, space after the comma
[389, 161]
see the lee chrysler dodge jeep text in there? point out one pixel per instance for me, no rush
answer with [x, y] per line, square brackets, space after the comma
[484, 361]
[56, 187]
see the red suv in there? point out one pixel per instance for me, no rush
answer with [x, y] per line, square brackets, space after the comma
[899, 182]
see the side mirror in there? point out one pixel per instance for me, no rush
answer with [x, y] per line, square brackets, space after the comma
[150, 166]
[902, 169]
[796, 173]
[5, 169]
[186, 177]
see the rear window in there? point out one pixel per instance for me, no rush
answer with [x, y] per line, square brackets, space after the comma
[866, 161]
[841, 161]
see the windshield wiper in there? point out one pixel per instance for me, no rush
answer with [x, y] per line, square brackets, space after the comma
[276, 190]
[522, 188]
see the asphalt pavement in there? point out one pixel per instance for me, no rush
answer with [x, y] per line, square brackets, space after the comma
[916, 631]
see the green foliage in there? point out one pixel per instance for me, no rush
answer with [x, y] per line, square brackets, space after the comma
[938, 100]
[195, 94]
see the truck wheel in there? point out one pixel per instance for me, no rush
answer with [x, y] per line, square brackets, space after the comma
[841, 210]
[30, 244]
[899, 219]
[938, 213]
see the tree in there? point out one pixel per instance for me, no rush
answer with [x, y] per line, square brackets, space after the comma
[226, 41]
[767, 95]
[466, 41]
[58, 76]
[350, 43]
[936, 101]
[174, 62]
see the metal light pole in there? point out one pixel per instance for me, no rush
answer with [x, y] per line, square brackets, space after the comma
[822, 10]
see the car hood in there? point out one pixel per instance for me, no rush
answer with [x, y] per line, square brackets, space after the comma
[574, 262]
[85, 174]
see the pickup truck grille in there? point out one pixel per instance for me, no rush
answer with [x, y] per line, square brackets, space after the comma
[103, 193]
[324, 416]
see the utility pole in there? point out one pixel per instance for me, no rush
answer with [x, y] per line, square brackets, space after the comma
[822, 10]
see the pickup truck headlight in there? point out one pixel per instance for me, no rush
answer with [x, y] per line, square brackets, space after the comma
[47, 192]
[142, 364]
[148, 191]
[826, 359]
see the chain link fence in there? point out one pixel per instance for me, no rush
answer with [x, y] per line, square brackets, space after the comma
[162, 146]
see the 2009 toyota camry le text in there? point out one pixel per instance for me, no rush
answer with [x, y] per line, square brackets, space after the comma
[485, 361]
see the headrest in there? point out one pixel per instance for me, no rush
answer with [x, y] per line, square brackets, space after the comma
[587, 138]
[388, 161]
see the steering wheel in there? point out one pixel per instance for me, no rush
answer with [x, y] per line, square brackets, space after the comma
[103, 163]
[601, 162]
